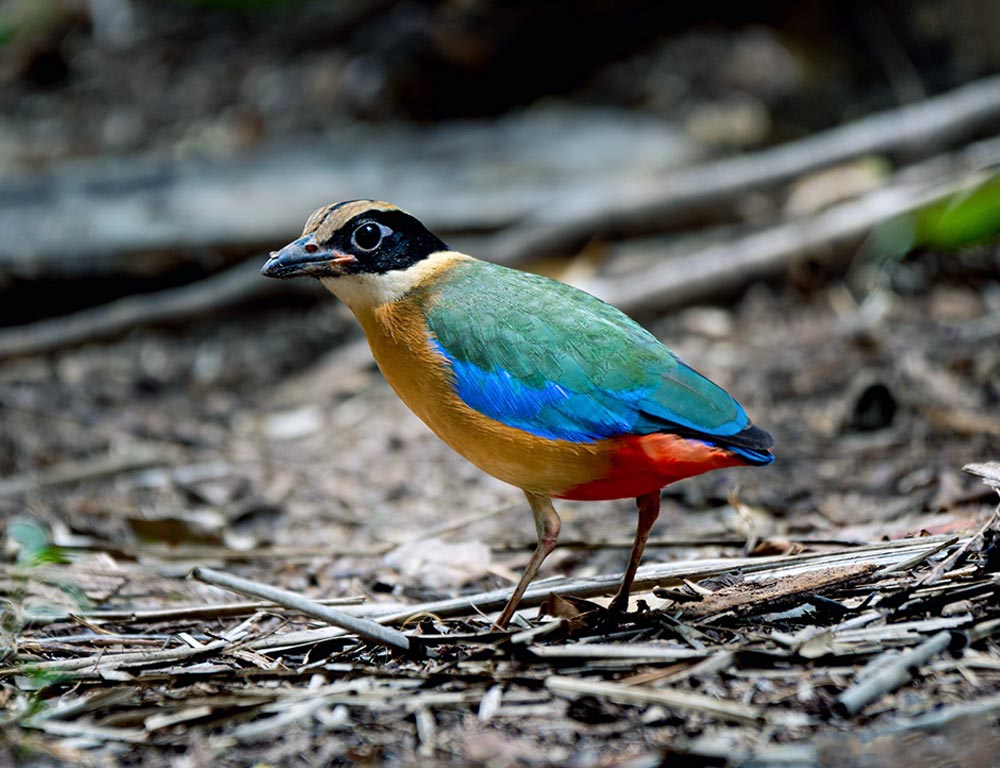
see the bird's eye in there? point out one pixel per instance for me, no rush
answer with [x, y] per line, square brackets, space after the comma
[368, 236]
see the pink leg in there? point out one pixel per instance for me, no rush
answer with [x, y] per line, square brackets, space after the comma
[547, 528]
[649, 510]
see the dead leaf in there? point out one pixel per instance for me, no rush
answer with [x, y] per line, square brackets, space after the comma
[441, 565]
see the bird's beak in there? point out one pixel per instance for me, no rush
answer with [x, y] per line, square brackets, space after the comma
[303, 257]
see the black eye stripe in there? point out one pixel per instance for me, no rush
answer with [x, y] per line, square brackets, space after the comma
[402, 241]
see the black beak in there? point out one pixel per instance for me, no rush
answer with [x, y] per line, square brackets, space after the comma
[303, 258]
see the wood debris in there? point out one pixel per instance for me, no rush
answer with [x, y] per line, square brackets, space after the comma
[794, 645]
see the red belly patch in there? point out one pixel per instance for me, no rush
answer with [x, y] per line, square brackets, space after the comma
[642, 464]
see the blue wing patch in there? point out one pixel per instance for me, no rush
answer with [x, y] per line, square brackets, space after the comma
[554, 411]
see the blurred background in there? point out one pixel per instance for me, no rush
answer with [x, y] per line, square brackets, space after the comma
[147, 144]
[800, 199]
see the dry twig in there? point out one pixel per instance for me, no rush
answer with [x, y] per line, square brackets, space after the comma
[367, 629]
[890, 672]
[681, 701]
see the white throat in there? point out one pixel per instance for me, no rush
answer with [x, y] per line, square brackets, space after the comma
[368, 290]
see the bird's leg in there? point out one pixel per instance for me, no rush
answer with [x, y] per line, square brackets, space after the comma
[649, 510]
[547, 528]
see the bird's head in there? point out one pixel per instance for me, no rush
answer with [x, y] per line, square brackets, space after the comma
[363, 251]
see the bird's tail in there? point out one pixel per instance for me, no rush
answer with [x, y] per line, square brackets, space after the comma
[752, 444]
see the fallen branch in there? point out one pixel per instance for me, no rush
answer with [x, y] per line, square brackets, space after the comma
[181, 613]
[94, 219]
[681, 701]
[104, 662]
[746, 599]
[892, 670]
[638, 653]
[727, 266]
[362, 627]
[913, 130]
[238, 284]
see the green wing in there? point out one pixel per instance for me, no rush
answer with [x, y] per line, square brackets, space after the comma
[554, 361]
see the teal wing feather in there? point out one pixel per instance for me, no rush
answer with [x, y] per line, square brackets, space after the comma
[554, 361]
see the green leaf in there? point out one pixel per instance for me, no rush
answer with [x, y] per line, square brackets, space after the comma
[963, 220]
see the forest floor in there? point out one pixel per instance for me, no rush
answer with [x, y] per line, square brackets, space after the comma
[838, 608]
[264, 443]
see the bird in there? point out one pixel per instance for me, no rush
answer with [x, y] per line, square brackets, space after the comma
[536, 382]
